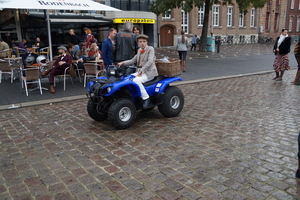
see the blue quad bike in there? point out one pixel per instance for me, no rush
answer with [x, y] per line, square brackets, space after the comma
[118, 98]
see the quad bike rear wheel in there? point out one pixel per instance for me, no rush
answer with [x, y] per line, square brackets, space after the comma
[173, 102]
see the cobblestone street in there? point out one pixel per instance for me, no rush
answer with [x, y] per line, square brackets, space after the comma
[235, 139]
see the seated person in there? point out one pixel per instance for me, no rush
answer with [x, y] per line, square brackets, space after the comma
[70, 52]
[94, 51]
[58, 68]
[38, 43]
[3, 48]
[22, 46]
[82, 52]
[145, 58]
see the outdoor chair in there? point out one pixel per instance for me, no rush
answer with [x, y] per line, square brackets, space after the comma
[19, 54]
[64, 76]
[45, 51]
[8, 52]
[78, 71]
[91, 71]
[32, 75]
[7, 68]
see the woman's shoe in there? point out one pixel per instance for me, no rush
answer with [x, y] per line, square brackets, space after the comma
[278, 79]
[275, 78]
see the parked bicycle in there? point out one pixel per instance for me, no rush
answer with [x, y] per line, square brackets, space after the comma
[266, 40]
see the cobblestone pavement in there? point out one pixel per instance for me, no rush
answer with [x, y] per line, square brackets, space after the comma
[235, 139]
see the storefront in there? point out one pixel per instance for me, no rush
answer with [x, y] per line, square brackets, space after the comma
[145, 20]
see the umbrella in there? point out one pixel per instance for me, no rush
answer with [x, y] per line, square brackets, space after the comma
[55, 5]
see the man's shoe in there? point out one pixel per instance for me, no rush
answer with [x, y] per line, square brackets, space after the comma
[146, 102]
[52, 89]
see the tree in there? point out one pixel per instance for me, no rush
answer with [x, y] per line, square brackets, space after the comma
[162, 6]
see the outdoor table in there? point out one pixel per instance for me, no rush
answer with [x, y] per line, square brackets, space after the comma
[96, 62]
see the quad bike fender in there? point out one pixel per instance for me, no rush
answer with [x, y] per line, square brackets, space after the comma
[132, 86]
[161, 85]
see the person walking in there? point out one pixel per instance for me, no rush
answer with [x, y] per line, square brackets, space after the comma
[108, 48]
[297, 56]
[182, 47]
[126, 45]
[281, 49]
[194, 42]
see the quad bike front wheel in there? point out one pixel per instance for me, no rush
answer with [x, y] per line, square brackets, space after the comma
[122, 113]
[95, 112]
[173, 102]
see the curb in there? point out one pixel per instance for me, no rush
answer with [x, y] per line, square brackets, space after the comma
[78, 97]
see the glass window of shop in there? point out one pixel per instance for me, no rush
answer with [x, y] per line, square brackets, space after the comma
[131, 5]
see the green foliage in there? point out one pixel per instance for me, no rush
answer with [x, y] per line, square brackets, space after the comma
[162, 6]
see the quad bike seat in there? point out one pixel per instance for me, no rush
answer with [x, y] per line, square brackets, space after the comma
[155, 80]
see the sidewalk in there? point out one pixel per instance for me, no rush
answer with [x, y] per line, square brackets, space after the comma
[234, 60]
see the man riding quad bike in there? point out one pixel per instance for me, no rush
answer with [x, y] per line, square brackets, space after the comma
[133, 88]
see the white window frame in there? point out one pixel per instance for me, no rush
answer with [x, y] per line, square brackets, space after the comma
[252, 17]
[291, 24]
[229, 16]
[242, 20]
[201, 14]
[167, 15]
[292, 4]
[185, 18]
[298, 24]
[216, 15]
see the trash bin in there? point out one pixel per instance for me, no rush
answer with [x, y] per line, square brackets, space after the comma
[211, 44]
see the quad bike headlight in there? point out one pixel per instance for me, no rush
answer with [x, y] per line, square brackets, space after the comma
[108, 89]
[112, 71]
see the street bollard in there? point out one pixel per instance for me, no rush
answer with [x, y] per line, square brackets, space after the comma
[218, 43]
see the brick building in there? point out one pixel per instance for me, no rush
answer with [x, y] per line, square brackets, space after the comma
[293, 19]
[225, 22]
[279, 14]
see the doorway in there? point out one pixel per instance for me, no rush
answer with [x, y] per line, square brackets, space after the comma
[166, 36]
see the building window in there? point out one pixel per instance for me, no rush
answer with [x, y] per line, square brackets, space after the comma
[216, 14]
[241, 20]
[292, 4]
[291, 24]
[184, 21]
[276, 21]
[298, 24]
[252, 17]
[167, 15]
[229, 15]
[267, 21]
[201, 15]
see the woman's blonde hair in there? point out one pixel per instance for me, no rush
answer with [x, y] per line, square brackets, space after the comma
[182, 37]
[93, 46]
